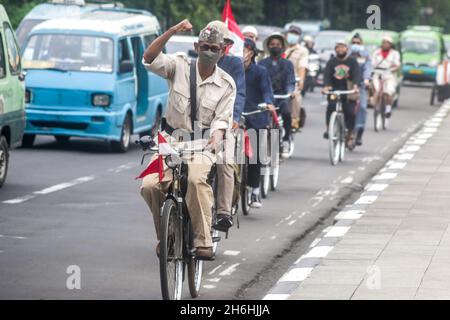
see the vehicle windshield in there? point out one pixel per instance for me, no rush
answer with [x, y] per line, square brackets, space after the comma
[178, 46]
[420, 45]
[69, 53]
[24, 29]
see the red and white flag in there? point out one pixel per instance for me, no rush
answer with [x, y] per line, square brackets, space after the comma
[157, 165]
[235, 33]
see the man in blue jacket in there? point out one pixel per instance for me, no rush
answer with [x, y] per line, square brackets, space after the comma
[282, 75]
[225, 172]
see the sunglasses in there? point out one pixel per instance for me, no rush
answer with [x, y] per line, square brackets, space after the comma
[205, 47]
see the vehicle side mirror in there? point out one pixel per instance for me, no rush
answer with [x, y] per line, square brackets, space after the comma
[22, 76]
[126, 66]
[192, 53]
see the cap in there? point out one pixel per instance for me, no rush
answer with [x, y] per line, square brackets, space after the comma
[388, 38]
[340, 42]
[211, 35]
[308, 38]
[222, 28]
[278, 36]
[294, 29]
[357, 36]
[250, 29]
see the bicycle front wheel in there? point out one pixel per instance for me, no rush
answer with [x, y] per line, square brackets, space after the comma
[194, 268]
[265, 181]
[171, 256]
[334, 139]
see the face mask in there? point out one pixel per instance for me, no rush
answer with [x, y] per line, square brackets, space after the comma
[293, 38]
[208, 58]
[356, 48]
[275, 51]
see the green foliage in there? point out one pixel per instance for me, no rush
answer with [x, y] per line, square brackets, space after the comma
[343, 14]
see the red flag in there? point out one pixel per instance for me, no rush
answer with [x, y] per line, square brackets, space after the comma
[275, 117]
[157, 165]
[235, 33]
[248, 147]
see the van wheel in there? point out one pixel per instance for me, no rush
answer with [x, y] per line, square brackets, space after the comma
[62, 139]
[28, 140]
[4, 160]
[122, 145]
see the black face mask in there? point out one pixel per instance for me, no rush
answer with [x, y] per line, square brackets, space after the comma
[275, 51]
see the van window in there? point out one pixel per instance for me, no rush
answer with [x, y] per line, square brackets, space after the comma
[148, 38]
[2, 59]
[124, 51]
[420, 45]
[69, 53]
[12, 49]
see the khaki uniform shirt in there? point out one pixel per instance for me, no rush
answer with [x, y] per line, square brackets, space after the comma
[215, 95]
[298, 55]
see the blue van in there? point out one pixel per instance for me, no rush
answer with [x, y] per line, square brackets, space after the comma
[85, 78]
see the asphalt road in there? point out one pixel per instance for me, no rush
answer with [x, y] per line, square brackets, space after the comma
[78, 204]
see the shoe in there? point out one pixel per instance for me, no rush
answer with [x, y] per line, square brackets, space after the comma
[359, 135]
[255, 201]
[295, 124]
[158, 249]
[388, 111]
[205, 253]
[325, 135]
[285, 149]
[388, 115]
[223, 223]
[350, 140]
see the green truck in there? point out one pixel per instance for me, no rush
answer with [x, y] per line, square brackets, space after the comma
[12, 94]
[422, 49]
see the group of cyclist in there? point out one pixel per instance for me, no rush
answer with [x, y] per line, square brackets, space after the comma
[211, 94]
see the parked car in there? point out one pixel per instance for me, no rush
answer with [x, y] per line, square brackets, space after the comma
[12, 94]
[309, 27]
[85, 78]
[52, 10]
[422, 50]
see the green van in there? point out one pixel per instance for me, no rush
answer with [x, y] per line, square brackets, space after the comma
[447, 41]
[12, 93]
[422, 50]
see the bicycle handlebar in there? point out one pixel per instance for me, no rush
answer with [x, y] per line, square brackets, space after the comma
[340, 92]
[282, 96]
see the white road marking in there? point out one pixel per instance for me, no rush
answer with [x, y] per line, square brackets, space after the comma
[377, 187]
[258, 240]
[214, 280]
[273, 237]
[216, 268]
[209, 286]
[337, 231]
[404, 156]
[51, 189]
[228, 271]
[397, 165]
[348, 215]
[366, 200]
[13, 237]
[319, 252]
[231, 253]
[385, 176]
[290, 223]
[347, 180]
[412, 148]
[315, 242]
[296, 274]
[276, 297]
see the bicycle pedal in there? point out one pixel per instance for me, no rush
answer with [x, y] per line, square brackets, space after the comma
[216, 239]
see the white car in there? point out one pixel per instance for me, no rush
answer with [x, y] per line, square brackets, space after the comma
[183, 44]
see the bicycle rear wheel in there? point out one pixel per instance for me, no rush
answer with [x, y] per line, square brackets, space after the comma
[245, 194]
[171, 256]
[342, 137]
[194, 268]
[265, 181]
[334, 139]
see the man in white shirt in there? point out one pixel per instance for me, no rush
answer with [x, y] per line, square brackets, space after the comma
[386, 62]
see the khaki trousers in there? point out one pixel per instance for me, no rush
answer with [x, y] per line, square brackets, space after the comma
[296, 104]
[199, 197]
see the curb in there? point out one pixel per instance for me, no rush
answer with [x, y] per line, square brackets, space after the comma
[322, 246]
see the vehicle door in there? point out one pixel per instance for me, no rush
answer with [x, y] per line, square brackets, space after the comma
[126, 79]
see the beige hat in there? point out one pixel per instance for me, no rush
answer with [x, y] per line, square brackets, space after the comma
[250, 29]
[276, 35]
[388, 38]
[222, 28]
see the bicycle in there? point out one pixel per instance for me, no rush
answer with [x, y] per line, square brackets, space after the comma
[176, 232]
[379, 110]
[336, 127]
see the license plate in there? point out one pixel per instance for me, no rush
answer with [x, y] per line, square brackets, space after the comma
[415, 71]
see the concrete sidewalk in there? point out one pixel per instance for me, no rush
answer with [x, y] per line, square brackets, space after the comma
[394, 241]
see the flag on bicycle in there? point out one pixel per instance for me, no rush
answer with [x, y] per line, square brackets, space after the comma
[247, 145]
[235, 33]
[157, 165]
